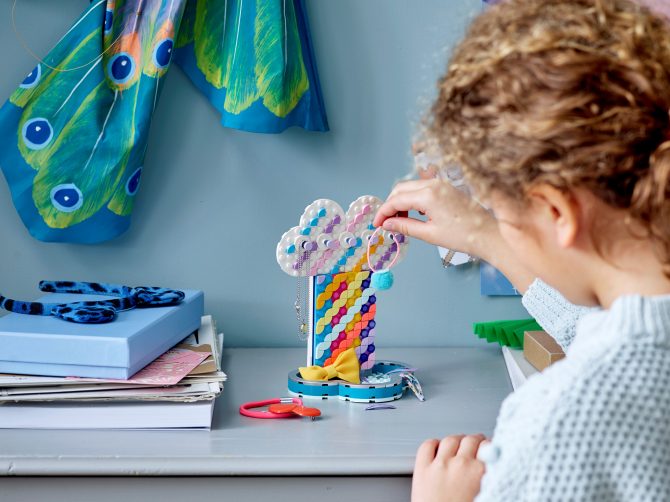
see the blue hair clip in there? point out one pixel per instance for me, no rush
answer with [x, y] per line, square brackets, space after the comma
[94, 312]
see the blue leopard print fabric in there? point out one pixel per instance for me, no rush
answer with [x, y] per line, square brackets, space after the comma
[94, 312]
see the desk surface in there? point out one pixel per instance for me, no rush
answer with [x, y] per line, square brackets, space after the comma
[464, 388]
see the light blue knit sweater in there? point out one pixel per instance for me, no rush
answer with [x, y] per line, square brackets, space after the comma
[596, 425]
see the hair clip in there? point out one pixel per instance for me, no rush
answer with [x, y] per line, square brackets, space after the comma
[95, 311]
[402, 370]
[412, 382]
[380, 406]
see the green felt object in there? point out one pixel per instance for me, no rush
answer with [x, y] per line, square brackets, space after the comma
[506, 333]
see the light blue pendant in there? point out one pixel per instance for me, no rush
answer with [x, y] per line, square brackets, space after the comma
[382, 279]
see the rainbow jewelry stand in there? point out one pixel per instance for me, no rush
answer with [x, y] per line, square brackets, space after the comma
[330, 249]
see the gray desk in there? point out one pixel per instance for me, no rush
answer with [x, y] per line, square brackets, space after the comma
[349, 452]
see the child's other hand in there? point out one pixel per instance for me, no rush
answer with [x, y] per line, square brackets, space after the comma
[448, 470]
[452, 219]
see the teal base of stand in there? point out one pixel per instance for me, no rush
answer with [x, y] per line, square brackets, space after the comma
[390, 388]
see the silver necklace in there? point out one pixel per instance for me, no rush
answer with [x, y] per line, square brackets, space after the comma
[301, 307]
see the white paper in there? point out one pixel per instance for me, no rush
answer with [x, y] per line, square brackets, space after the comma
[518, 368]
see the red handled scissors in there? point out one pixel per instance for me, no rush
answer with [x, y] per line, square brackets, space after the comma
[283, 407]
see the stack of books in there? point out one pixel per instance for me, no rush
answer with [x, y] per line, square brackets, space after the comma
[155, 368]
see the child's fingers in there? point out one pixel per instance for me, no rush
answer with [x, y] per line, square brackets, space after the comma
[448, 447]
[469, 445]
[404, 201]
[426, 452]
[414, 186]
[408, 226]
[409, 186]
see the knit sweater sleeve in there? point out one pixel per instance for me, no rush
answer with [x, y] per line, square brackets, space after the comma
[553, 312]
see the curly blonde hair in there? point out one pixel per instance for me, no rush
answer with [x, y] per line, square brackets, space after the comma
[573, 93]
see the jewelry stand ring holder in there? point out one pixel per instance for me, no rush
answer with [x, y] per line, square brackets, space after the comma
[337, 253]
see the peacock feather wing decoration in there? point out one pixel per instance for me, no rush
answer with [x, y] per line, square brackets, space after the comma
[73, 136]
[254, 61]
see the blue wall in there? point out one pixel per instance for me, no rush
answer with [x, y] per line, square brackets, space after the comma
[214, 202]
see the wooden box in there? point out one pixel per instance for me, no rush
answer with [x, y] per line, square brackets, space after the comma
[540, 349]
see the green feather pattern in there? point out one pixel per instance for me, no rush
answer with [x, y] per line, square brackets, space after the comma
[55, 96]
[99, 158]
[250, 48]
[280, 70]
[187, 26]
[241, 88]
[147, 31]
[122, 201]
[214, 25]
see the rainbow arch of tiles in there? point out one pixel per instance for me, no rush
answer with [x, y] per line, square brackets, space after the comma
[344, 307]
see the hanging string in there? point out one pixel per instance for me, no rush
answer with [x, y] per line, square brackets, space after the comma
[370, 243]
[22, 41]
[382, 278]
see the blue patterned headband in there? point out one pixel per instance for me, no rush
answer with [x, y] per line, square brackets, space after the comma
[94, 312]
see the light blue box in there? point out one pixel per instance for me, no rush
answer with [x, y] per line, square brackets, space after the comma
[37, 345]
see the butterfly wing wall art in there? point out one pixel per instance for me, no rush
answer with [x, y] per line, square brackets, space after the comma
[73, 136]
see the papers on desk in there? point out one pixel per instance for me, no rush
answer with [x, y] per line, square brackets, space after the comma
[175, 391]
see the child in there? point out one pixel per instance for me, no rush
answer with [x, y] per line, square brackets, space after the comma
[558, 112]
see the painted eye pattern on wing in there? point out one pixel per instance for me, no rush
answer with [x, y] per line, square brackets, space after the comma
[160, 49]
[32, 79]
[109, 21]
[133, 183]
[121, 68]
[163, 53]
[37, 133]
[67, 197]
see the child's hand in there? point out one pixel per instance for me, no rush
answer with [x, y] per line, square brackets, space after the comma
[448, 470]
[453, 220]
